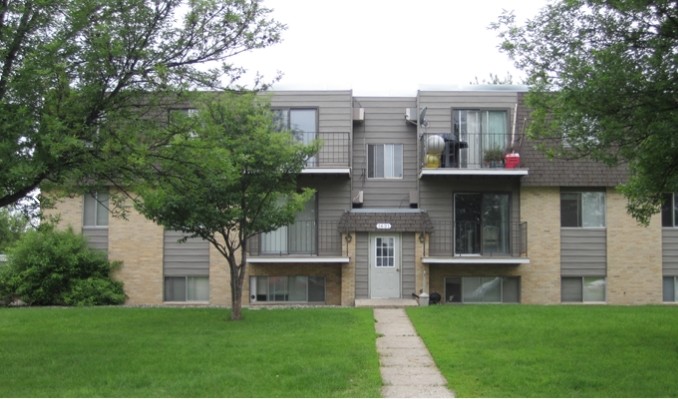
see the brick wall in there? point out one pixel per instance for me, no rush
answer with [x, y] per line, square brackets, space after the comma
[634, 256]
[138, 243]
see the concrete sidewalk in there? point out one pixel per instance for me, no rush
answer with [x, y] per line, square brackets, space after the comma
[407, 369]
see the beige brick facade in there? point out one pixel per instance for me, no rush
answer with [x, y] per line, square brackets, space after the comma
[540, 279]
[634, 256]
[138, 243]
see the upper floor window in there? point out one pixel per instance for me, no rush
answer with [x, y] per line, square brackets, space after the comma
[296, 238]
[670, 210]
[96, 209]
[481, 223]
[582, 209]
[302, 122]
[385, 161]
[480, 131]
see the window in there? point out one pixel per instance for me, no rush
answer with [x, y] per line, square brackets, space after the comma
[582, 209]
[670, 210]
[96, 209]
[287, 289]
[583, 289]
[187, 289]
[385, 161]
[482, 289]
[297, 238]
[385, 252]
[670, 288]
[481, 223]
[302, 122]
[480, 131]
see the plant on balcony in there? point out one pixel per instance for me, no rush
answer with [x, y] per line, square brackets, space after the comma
[494, 158]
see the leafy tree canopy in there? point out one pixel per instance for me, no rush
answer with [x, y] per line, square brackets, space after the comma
[78, 78]
[229, 176]
[604, 76]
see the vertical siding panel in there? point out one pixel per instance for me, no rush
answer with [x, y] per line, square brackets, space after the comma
[407, 265]
[385, 124]
[96, 237]
[583, 252]
[670, 252]
[361, 266]
[190, 258]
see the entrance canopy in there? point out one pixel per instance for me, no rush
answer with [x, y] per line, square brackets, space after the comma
[392, 220]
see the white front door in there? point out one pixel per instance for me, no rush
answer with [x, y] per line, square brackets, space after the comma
[384, 266]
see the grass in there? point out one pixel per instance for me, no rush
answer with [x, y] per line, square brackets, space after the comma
[553, 351]
[162, 352]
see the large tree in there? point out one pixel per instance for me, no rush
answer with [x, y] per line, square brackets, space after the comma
[229, 176]
[78, 79]
[604, 82]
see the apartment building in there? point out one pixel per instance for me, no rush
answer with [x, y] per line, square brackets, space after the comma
[440, 193]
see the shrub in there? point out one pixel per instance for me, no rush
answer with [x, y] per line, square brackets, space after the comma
[50, 267]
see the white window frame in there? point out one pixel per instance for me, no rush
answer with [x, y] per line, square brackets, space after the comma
[673, 280]
[586, 198]
[390, 166]
[187, 285]
[586, 295]
[100, 207]
[261, 286]
[489, 280]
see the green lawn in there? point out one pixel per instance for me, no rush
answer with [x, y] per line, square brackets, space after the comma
[162, 352]
[553, 351]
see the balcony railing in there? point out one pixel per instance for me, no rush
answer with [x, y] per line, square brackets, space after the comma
[335, 149]
[465, 151]
[473, 238]
[303, 238]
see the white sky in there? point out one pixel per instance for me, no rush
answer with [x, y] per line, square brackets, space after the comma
[386, 47]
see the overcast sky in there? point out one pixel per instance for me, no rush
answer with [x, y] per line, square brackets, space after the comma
[386, 47]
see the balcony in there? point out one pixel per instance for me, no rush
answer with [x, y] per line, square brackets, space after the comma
[305, 241]
[475, 243]
[334, 156]
[470, 154]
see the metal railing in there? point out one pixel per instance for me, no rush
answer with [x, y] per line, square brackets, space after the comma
[303, 237]
[465, 151]
[473, 238]
[335, 149]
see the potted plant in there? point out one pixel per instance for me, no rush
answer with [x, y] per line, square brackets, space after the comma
[494, 158]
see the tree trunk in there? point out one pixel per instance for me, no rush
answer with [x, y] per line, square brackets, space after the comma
[236, 293]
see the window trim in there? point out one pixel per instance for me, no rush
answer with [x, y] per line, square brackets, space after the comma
[580, 221]
[201, 301]
[501, 290]
[368, 159]
[671, 208]
[98, 207]
[582, 282]
[254, 284]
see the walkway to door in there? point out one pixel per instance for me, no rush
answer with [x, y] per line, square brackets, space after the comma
[407, 369]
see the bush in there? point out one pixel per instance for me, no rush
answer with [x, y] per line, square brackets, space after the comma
[50, 267]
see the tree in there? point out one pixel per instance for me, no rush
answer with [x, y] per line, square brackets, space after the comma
[604, 76]
[78, 79]
[230, 176]
[13, 225]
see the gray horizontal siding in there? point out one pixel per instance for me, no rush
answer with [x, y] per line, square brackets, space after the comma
[385, 124]
[335, 108]
[583, 252]
[407, 265]
[361, 266]
[670, 252]
[190, 258]
[97, 237]
[439, 105]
